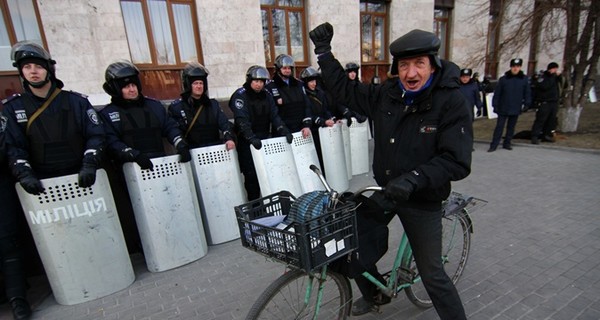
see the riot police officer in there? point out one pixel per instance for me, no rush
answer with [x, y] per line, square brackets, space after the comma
[321, 117]
[135, 124]
[200, 118]
[351, 69]
[289, 95]
[10, 250]
[50, 132]
[255, 114]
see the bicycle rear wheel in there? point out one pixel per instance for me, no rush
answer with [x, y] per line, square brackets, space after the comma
[456, 243]
[285, 298]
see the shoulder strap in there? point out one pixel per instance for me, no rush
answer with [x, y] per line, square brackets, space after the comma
[41, 109]
[193, 121]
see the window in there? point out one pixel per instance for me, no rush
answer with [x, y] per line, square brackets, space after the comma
[161, 32]
[284, 29]
[373, 18]
[19, 21]
[441, 24]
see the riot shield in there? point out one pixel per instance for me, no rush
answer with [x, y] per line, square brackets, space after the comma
[334, 159]
[166, 212]
[219, 187]
[305, 154]
[359, 147]
[79, 238]
[276, 167]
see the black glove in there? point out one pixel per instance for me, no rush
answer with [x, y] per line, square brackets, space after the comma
[27, 178]
[289, 137]
[256, 143]
[348, 116]
[400, 188]
[127, 155]
[478, 114]
[321, 36]
[360, 118]
[283, 131]
[87, 174]
[184, 152]
[144, 162]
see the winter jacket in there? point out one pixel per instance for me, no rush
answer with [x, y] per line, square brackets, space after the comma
[432, 136]
[511, 94]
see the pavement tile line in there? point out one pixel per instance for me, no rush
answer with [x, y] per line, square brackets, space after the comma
[535, 253]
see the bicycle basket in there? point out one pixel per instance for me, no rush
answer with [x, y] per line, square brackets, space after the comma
[309, 241]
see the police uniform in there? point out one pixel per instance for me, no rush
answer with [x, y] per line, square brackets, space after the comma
[255, 114]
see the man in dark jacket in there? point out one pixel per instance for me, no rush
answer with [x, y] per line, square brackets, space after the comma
[423, 140]
[255, 114]
[546, 89]
[511, 96]
[200, 118]
[289, 96]
[470, 89]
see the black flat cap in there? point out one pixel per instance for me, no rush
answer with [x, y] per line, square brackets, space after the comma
[415, 43]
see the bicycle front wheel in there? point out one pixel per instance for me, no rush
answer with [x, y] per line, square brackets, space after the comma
[286, 298]
[456, 243]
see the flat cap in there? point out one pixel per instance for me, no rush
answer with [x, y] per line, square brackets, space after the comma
[415, 43]
[516, 62]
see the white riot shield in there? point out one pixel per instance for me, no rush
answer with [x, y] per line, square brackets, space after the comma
[79, 238]
[346, 143]
[490, 109]
[219, 188]
[167, 213]
[359, 147]
[334, 161]
[275, 167]
[305, 155]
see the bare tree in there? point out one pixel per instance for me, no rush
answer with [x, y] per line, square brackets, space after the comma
[524, 27]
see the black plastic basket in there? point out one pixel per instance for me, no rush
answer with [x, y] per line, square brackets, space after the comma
[310, 244]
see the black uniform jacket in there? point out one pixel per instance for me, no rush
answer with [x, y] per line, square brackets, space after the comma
[433, 135]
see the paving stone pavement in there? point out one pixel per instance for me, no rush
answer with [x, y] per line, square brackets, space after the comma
[535, 253]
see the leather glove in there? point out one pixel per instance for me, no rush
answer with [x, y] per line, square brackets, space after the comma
[87, 174]
[126, 155]
[400, 188]
[321, 37]
[348, 116]
[360, 117]
[286, 132]
[184, 152]
[144, 162]
[256, 143]
[478, 114]
[27, 178]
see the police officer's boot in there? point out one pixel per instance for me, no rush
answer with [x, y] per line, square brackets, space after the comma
[20, 308]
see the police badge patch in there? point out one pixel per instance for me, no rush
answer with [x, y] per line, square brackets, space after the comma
[239, 103]
[3, 120]
[93, 116]
[428, 129]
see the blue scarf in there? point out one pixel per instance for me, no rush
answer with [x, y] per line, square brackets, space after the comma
[409, 96]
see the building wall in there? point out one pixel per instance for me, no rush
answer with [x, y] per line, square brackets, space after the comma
[85, 36]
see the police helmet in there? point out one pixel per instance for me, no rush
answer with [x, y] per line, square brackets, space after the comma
[256, 72]
[309, 73]
[352, 66]
[30, 52]
[413, 44]
[118, 75]
[193, 71]
[284, 60]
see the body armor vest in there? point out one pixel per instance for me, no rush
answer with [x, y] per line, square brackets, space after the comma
[141, 130]
[292, 112]
[56, 144]
[260, 115]
[205, 131]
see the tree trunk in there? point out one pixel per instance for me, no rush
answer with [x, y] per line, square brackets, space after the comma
[570, 118]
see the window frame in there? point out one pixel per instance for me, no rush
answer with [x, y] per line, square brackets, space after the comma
[287, 10]
[12, 35]
[150, 35]
[446, 21]
[385, 17]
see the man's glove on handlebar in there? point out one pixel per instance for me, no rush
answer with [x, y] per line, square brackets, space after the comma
[400, 188]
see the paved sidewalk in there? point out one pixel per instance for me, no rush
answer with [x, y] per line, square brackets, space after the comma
[535, 253]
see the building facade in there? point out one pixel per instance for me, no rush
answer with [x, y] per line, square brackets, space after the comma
[229, 36]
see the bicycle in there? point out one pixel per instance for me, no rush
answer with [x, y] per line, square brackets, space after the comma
[308, 290]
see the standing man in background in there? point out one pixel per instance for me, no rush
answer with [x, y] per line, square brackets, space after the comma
[511, 96]
[546, 93]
